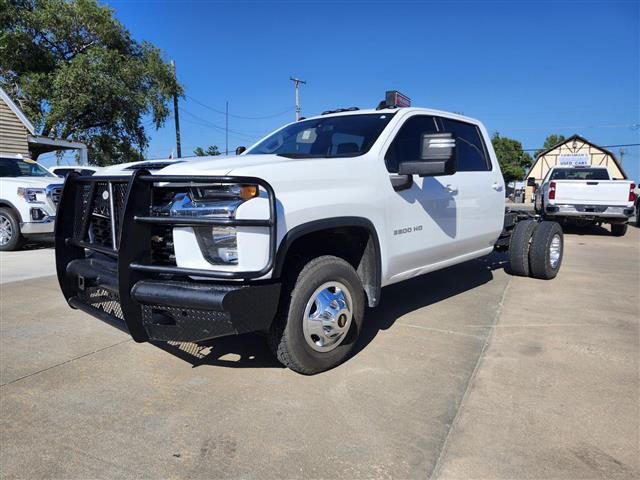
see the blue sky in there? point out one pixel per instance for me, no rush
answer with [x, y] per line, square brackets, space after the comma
[526, 69]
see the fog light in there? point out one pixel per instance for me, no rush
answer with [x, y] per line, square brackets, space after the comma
[219, 244]
[37, 214]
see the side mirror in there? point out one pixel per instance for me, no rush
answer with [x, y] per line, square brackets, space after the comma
[240, 150]
[531, 182]
[437, 157]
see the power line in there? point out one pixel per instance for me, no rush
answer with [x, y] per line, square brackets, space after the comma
[603, 146]
[632, 126]
[207, 123]
[241, 117]
[217, 129]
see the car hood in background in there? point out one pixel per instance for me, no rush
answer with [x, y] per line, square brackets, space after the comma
[31, 182]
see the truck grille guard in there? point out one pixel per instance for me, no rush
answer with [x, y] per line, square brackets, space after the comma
[113, 216]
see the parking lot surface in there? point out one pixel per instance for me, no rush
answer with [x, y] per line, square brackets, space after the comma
[463, 373]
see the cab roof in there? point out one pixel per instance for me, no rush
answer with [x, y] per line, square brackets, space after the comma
[424, 111]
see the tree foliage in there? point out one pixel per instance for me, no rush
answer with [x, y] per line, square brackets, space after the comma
[513, 160]
[77, 74]
[211, 150]
[551, 141]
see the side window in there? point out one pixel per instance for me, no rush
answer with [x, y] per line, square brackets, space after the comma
[406, 145]
[472, 153]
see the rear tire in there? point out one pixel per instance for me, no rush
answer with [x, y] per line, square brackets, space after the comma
[546, 251]
[519, 247]
[10, 236]
[319, 317]
[618, 229]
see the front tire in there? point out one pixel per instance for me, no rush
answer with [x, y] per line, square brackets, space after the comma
[618, 229]
[546, 251]
[320, 316]
[10, 236]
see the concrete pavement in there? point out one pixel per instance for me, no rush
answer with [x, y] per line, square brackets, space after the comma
[35, 261]
[463, 373]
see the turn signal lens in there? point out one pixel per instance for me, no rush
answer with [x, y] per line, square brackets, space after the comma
[552, 191]
[248, 191]
[632, 193]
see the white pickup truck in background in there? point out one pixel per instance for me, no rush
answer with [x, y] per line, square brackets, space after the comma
[585, 195]
[29, 195]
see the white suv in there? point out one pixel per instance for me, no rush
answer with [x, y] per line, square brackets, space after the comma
[296, 235]
[29, 194]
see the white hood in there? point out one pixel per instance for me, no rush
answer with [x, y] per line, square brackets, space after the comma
[31, 182]
[222, 165]
[212, 165]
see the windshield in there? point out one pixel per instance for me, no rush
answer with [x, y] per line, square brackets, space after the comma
[341, 136]
[17, 167]
[580, 174]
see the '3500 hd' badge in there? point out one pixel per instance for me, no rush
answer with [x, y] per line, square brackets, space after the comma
[402, 231]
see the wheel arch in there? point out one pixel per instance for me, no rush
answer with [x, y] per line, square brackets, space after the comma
[369, 265]
[11, 206]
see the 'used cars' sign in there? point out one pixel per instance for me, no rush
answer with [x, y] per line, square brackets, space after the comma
[574, 159]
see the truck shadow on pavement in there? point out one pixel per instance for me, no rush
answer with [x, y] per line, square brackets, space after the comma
[592, 230]
[405, 297]
[251, 350]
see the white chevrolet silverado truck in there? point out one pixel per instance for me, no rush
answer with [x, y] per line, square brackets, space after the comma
[295, 236]
[29, 194]
[585, 195]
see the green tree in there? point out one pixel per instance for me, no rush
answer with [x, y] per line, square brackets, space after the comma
[513, 160]
[77, 73]
[211, 150]
[551, 141]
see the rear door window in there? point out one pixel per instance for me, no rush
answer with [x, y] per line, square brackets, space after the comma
[472, 152]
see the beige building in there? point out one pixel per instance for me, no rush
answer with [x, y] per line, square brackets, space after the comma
[574, 150]
[18, 136]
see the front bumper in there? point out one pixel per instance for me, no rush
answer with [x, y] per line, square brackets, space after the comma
[590, 211]
[37, 228]
[183, 311]
[120, 281]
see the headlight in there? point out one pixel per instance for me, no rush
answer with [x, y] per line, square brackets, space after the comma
[31, 194]
[218, 244]
[221, 192]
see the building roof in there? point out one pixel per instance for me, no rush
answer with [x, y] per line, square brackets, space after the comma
[18, 113]
[573, 137]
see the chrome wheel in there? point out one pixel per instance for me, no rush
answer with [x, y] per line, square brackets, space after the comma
[555, 249]
[6, 232]
[327, 316]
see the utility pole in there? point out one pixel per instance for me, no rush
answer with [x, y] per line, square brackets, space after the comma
[226, 130]
[298, 82]
[176, 114]
[622, 152]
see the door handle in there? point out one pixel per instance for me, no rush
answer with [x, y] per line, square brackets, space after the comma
[497, 187]
[451, 188]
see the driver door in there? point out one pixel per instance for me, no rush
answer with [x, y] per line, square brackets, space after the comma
[422, 219]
